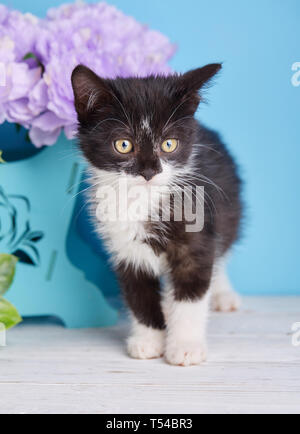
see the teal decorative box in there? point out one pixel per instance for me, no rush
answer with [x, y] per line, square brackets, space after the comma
[63, 269]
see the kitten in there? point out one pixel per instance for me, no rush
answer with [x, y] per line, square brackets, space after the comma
[143, 131]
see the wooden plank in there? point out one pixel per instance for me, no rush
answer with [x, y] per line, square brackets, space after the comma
[122, 399]
[252, 368]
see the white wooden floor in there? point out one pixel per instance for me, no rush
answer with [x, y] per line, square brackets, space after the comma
[252, 368]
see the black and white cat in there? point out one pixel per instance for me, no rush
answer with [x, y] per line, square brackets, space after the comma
[143, 131]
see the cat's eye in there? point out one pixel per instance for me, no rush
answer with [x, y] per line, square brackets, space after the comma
[123, 146]
[170, 145]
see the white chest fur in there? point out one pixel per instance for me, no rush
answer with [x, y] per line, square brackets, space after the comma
[126, 241]
[126, 235]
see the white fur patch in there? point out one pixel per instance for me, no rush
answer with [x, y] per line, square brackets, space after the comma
[145, 342]
[224, 298]
[145, 125]
[125, 237]
[186, 330]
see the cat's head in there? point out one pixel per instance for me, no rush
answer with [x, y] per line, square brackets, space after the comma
[144, 127]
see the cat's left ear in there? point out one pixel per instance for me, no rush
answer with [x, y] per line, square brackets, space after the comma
[195, 80]
[191, 83]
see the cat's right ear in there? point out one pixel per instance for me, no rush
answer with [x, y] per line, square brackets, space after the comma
[90, 92]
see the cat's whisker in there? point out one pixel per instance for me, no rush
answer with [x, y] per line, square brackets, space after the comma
[209, 181]
[210, 148]
[108, 120]
[188, 184]
[77, 195]
[192, 175]
[85, 190]
[123, 109]
[70, 154]
[86, 204]
[170, 125]
[174, 112]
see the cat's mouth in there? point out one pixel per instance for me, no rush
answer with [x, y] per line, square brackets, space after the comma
[156, 181]
[142, 182]
[161, 179]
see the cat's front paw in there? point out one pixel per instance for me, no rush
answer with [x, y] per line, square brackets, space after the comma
[186, 353]
[146, 349]
[225, 301]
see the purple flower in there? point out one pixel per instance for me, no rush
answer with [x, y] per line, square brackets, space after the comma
[96, 35]
[18, 35]
[46, 129]
[2, 114]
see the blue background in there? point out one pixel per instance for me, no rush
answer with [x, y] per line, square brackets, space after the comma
[253, 105]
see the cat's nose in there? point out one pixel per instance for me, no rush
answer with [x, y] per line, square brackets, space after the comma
[148, 174]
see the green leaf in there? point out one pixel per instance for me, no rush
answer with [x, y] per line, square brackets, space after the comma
[18, 127]
[37, 60]
[27, 137]
[29, 56]
[1, 159]
[7, 272]
[9, 315]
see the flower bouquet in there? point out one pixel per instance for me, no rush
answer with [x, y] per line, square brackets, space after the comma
[38, 56]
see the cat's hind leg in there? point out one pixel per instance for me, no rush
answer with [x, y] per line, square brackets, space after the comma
[223, 297]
